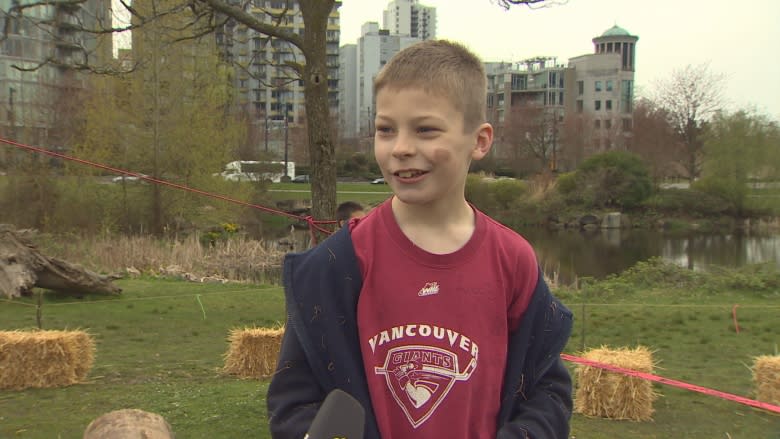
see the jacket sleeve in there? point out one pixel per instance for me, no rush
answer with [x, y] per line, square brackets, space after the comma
[542, 411]
[294, 395]
[539, 398]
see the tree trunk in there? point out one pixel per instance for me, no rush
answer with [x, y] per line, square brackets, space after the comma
[23, 267]
[315, 76]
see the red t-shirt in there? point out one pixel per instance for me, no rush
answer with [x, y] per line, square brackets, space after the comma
[434, 328]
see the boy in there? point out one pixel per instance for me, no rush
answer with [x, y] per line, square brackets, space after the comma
[432, 315]
[348, 210]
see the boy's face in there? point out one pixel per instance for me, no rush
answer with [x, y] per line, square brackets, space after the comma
[422, 148]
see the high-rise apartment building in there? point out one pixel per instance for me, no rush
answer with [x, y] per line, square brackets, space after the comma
[372, 51]
[411, 19]
[265, 87]
[48, 40]
[405, 22]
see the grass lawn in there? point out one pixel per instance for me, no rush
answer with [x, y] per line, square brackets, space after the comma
[366, 194]
[160, 347]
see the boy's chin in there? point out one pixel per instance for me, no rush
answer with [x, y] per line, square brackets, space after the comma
[422, 199]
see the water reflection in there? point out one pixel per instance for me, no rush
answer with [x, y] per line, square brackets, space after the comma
[599, 253]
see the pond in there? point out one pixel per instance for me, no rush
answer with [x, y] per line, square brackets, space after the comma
[599, 253]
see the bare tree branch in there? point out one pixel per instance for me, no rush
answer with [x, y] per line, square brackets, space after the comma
[532, 4]
[252, 22]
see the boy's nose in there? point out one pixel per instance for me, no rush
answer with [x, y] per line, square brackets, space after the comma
[403, 146]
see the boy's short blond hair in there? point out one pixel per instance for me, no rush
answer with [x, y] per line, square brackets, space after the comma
[442, 68]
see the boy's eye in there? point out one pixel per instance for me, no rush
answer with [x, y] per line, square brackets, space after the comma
[426, 130]
[383, 129]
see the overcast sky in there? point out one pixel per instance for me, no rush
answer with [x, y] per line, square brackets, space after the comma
[738, 39]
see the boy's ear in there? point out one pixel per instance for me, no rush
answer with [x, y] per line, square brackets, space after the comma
[484, 141]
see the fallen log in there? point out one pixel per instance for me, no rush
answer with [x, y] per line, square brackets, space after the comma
[23, 267]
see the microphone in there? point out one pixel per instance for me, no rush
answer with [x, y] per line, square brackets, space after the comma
[340, 417]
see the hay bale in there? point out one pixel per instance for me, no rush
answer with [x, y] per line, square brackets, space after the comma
[613, 395]
[129, 424]
[766, 376]
[44, 358]
[253, 352]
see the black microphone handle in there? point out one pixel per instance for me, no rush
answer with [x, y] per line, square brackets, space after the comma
[340, 417]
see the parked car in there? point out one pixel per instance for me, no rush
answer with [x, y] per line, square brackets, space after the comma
[300, 179]
[128, 178]
[379, 180]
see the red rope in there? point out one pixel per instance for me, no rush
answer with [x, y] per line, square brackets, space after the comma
[675, 383]
[313, 224]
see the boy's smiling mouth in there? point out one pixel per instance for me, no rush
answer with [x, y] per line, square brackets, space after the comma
[409, 173]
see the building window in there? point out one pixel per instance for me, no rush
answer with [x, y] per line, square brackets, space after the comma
[626, 96]
[597, 124]
[579, 106]
[580, 87]
[609, 85]
[519, 82]
[560, 98]
[626, 125]
[608, 104]
[597, 105]
[598, 86]
[607, 124]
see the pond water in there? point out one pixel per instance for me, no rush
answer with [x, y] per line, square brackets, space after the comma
[599, 253]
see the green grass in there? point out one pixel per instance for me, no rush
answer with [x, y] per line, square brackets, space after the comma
[160, 347]
[155, 352]
[364, 193]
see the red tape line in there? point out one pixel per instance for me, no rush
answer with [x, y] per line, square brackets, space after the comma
[675, 383]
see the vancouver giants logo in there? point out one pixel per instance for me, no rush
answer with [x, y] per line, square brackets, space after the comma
[420, 377]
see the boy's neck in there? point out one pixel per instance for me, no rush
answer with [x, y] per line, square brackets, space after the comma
[436, 229]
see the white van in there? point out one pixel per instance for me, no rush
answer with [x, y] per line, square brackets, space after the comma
[251, 170]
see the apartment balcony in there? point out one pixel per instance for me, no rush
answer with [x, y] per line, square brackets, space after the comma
[530, 88]
[67, 7]
[67, 44]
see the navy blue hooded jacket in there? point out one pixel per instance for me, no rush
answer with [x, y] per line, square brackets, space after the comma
[320, 351]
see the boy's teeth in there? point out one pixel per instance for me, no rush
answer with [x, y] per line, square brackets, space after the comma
[406, 174]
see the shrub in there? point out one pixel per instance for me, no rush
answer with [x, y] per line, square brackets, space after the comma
[567, 182]
[613, 179]
[507, 191]
[688, 201]
[478, 193]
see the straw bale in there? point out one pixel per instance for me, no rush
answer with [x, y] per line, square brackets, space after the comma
[253, 352]
[44, 358]
[611, 395]
[766, 376]
[129, 424]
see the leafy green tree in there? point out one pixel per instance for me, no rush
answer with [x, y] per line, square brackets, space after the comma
[612, 179]
[168, 119]
[739, 147]
[178, 109]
